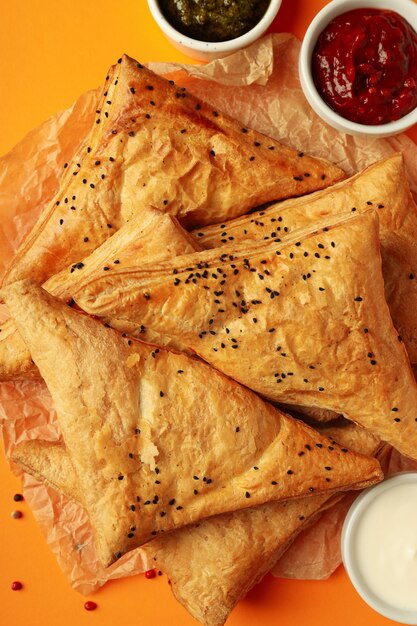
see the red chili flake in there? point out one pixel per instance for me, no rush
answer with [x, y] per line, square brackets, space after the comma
[150, 573]
[90, 605]
[16, 514]
[18, 497]
[16, 585]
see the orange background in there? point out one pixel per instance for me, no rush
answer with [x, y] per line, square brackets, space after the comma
[50, 52]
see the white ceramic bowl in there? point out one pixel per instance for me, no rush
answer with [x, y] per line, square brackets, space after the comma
[405, 8]
[348, 545]
[207, 50]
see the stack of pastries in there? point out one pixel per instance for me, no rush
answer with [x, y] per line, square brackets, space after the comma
[191, 284]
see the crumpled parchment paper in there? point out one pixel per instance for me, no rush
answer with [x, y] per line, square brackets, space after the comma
[260, 87]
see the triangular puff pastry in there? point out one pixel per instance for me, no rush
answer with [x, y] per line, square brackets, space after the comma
[211, 565]
[155, 144]
[164, 434]
[383, 186]
[303, 322]
[148, 235]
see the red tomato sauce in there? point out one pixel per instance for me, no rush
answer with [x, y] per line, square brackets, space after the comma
[365, 66]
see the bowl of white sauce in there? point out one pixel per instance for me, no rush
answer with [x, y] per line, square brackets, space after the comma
[379, 547]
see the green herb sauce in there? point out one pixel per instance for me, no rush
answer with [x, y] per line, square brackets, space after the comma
[213, 20]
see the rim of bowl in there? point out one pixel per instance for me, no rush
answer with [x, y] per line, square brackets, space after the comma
[215, 46]
[349, 527]
[406, 8]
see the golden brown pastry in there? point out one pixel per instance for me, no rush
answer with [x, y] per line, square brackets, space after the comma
[303, 322]
[149, 236]
[159, 440]
[154, 144]
[229, 554]
[383, 186]
[211, 565]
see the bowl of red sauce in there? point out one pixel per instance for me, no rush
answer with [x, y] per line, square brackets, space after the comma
[358, 66]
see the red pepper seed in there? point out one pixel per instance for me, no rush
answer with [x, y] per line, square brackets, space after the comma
[16, 585]
[90, 605]
[150, 573]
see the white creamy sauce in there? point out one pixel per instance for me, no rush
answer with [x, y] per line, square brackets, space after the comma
[386, 546]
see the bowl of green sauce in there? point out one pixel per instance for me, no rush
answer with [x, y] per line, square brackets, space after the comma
[212, 29]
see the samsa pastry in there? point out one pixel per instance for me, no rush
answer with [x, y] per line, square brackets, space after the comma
[213, 564]
[159, 440]
[154, 144]
[383, 186]
[302, 322]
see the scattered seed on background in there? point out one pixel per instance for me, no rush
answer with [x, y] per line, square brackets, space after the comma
[90, 605]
